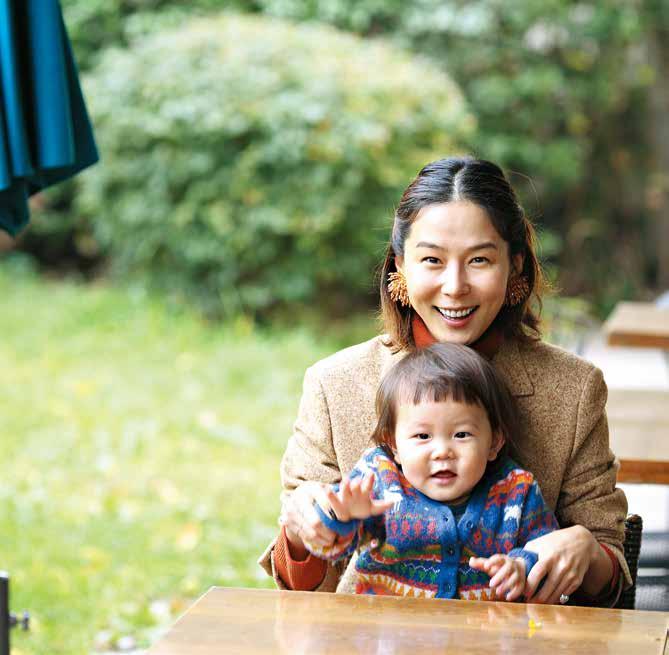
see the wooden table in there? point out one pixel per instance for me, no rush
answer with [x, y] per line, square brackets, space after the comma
[256, 621]
[639, 418]
[638, 324]
[639, 434]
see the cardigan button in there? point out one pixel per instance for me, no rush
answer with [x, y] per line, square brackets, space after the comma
[450, 550]
[470, 525]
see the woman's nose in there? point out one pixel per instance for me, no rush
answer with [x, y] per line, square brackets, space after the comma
[454, 281]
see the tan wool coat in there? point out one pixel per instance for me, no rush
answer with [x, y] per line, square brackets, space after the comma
[564, 439]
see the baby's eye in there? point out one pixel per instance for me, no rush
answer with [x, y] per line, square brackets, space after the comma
[462, 435]
[423, 436]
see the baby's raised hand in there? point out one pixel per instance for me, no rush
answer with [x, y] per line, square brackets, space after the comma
[507, 574]
[354, 499]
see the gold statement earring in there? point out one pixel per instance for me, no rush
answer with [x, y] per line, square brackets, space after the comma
[397, 288]
[517, 291]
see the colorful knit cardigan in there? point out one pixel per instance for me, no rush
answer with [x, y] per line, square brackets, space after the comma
[418, 548]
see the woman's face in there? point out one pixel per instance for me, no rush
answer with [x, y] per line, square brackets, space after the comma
[457, 267]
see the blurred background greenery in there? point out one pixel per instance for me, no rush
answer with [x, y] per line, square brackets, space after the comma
[235, 131]
[160, 310]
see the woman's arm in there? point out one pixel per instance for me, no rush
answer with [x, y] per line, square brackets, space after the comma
[308, 463]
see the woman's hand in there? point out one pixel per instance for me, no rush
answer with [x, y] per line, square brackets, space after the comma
[507, 574]
[564, 559]
[354, 499]
[301, 520]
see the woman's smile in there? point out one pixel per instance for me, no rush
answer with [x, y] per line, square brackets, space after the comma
[456, 318]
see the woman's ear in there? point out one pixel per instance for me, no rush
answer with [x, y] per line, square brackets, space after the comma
[496, 445]
[517, 262]
[399, 263]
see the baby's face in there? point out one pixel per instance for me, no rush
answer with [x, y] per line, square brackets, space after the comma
[444, 447]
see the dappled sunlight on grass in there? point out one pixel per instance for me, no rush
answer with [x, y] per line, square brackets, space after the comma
[140, 450]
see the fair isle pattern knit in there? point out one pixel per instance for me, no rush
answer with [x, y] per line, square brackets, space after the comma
[418, 548]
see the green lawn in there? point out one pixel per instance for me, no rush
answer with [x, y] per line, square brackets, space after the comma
[140, 449]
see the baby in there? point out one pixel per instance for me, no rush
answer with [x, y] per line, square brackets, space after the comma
[437, 508]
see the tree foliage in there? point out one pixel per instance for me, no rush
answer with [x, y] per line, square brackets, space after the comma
[572, 94]
[560, 90]
[250, 163]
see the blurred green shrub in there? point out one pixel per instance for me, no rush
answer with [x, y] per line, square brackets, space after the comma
[561, 91]
[250, 163]
[94, 25]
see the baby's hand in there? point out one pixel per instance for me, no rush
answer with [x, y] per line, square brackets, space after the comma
[507, 574]
[354, 500]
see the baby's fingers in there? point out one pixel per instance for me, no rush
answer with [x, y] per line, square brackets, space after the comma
[502, 574]
[478, 563]
[340, 509]
[380, 506]
[367, 484]
[516, 590]
[489, 565]
[344, 489]
[507, 584]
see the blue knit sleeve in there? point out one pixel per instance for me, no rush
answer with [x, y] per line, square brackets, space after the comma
[342, 528]
[537, 518]
[527, 556]
[348, 532]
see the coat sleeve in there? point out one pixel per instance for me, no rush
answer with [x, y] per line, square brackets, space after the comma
[588, 494]
[309, 455]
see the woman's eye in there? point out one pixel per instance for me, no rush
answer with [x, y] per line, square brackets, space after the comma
[430, 260]
[462, 435]
[480, 260]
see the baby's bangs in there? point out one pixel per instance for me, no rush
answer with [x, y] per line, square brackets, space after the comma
[428, 390]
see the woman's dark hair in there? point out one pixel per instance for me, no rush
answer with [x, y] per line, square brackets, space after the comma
[484, 184]
[444, 371]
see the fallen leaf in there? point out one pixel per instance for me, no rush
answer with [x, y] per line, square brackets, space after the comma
[189, 536]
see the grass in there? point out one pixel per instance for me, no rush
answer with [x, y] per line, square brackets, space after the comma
[140, 449]
[140, 454]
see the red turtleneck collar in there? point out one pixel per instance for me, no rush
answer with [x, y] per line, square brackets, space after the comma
[487, 345]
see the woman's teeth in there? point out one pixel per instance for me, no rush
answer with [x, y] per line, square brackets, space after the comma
[461, 313]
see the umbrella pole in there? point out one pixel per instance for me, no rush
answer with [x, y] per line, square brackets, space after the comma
[4, 613]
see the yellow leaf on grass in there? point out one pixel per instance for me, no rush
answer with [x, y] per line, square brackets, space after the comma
[189, 536]
[83, 388]
[167, 491]
[96, 558]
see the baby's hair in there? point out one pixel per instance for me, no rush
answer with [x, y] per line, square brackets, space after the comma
[443, 371]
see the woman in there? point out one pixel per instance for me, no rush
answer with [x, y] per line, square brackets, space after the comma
[461, 267]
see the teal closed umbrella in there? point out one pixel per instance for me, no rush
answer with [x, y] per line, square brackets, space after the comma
[45, 132]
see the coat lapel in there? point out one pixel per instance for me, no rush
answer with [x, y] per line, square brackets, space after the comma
[509, 364]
